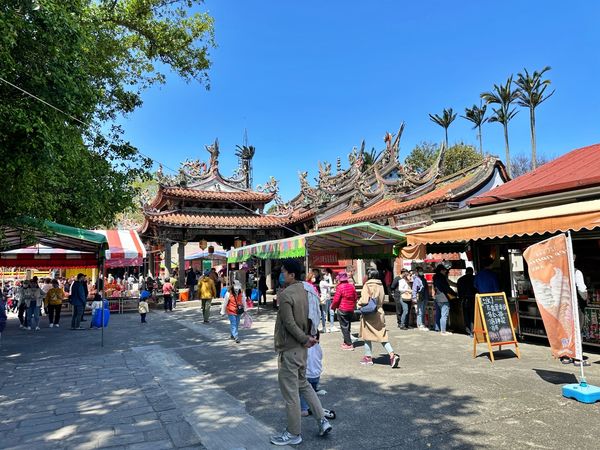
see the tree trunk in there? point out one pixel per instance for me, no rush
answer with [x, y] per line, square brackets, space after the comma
[480, 141]
[446, 131]
[533, 149]
[507, 149]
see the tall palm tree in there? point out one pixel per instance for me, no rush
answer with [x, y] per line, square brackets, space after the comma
[531, 94]
[444, 121]
[504, 96]
[476, 114]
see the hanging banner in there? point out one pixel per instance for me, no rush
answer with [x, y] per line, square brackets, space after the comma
[323, 258]
[552, 278]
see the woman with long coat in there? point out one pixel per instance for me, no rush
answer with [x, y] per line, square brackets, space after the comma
[372, 325]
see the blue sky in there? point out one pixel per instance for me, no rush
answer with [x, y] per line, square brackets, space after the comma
[310, 79]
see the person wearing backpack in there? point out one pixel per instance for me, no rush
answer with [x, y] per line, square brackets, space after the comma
[235, 307]
[420, 293]
[372, 323]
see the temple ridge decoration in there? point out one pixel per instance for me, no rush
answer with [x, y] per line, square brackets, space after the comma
[201, 203]
[374, 181]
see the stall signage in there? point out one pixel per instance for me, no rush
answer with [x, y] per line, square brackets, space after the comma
[550, 273]
[324, 258]
[493, 324]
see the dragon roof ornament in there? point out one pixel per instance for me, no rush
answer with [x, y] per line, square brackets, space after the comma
[194, 172]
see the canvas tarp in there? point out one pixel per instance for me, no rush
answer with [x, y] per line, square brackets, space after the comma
[356, 241]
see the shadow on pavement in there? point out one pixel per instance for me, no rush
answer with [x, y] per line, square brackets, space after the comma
[554, 377]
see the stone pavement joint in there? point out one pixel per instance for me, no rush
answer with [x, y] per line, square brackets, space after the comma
[220, 420]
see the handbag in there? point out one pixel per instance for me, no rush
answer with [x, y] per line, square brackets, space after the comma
[240, 307]
[406, 296]
[370, 307]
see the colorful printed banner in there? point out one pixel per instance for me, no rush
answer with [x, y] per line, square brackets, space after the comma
[552, 277]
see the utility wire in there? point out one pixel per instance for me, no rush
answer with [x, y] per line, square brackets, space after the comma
[74, 118]
[152, 159]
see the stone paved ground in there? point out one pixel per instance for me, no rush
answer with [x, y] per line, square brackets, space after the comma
[177, 383]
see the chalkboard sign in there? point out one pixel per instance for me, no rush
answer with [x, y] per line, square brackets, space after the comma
[497, 317]
[493, 323]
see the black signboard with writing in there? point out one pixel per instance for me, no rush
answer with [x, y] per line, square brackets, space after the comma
[492, 323]
[496, 316]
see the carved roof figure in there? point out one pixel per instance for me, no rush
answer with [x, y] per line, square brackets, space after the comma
[348, 192]
[213, 163]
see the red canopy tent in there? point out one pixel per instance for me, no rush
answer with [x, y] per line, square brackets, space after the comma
[43, 257]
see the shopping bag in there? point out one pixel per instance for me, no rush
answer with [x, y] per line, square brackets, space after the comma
[97, 317]
[254, 296]
[223, 292]
[246, 321]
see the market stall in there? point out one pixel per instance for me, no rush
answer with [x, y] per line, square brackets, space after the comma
[503, 237]
[358, 241]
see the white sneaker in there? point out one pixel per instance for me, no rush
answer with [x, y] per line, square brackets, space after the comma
[423, 328]
[29, 328]
[37, 328]
[51, 325]
[321, 392]
[324, 427]
[22, 327]
[56, 325]
[333, 329]
[286, 438]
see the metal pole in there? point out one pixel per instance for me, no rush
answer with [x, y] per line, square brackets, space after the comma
[103, 271]
[575, 307]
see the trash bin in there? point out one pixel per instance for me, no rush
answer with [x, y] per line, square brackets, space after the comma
[184, 295]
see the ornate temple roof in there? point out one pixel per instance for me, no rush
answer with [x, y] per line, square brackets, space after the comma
[389, 206]
[200, 197]
[213, 196]
[384, 187]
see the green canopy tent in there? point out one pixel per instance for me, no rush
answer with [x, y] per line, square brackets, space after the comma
[363, 240]
[26, 231]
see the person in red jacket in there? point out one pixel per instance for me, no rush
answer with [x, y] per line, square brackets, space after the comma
[344, 301]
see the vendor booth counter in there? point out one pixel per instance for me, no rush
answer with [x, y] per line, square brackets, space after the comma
[504, 236]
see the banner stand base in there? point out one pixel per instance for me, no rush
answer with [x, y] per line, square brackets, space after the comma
[582, 392]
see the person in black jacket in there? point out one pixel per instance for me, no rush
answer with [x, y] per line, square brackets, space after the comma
[443, 294]
[466, 293]
[78, 299]
[262, 288]
[190, 282]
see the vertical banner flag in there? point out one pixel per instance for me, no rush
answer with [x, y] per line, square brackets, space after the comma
[553, 279]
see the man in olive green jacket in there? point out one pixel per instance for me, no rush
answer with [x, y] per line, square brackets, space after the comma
[292, 340]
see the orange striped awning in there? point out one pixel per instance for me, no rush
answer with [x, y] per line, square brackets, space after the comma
[553, 219]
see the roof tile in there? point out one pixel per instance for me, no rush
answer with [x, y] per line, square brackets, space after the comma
[240, 196]
[577, 169]
[225, 220]
[389, 207]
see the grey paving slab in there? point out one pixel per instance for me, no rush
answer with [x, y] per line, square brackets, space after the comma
[439, 398]
[211, 412]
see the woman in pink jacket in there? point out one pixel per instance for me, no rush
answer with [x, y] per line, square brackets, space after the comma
[344, 301]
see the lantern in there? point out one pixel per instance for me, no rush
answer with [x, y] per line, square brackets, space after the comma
[211, 249]
[203, 244]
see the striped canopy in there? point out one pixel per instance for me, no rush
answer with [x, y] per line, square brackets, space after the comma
[124, 248]
[357, 241]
